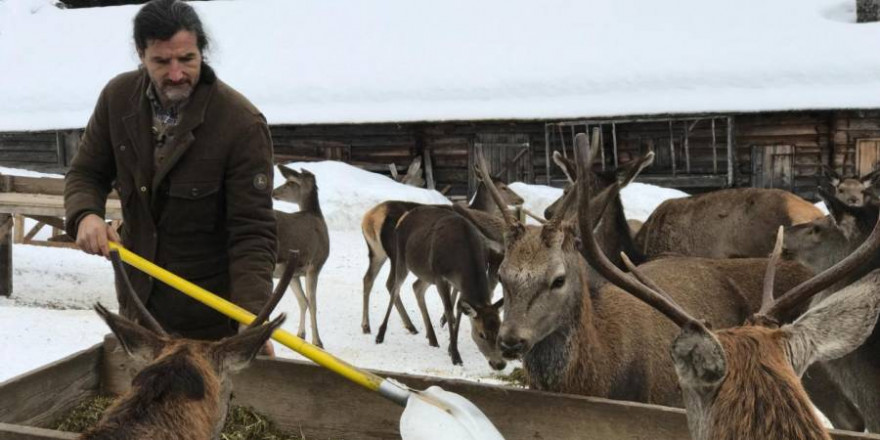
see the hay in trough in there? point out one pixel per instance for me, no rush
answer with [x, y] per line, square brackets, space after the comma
[242, 423]
[516, 377]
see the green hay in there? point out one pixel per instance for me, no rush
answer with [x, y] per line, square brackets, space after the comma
[516, 377]
[242, 423]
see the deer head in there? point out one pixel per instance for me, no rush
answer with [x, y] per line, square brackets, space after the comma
[744, 382]
[509, 196]
[181, 376]
[853, 191]
[298, 187]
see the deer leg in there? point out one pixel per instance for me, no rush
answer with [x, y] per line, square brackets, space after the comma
[297, 288]
[454, 299]
[312, 289]
[419, 288]
[398, 265]
[376, 262]
[446, 297]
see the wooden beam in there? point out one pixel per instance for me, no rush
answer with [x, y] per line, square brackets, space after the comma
[731, 178]
[429, 168]
[20, 432]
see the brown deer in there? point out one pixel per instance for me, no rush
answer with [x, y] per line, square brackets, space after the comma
[853, 190]
[304, 231]
[604, 342]
[743, 382]
[378, 228]
[443, 248]
[184, 390]
[819, 245]
[730, 223]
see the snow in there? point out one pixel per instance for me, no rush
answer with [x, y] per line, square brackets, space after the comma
[398, 60]
[54, 289]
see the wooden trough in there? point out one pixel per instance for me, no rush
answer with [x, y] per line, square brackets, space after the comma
[301, 397]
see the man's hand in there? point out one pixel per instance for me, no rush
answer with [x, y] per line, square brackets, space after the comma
[93, 234]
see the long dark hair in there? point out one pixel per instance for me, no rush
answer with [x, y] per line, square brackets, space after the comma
[161, 19]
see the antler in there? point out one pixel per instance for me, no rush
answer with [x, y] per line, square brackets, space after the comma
[493, 191]
[286, 276]
[822, 281]
[128, 289]
[770, 274]
[614, 275]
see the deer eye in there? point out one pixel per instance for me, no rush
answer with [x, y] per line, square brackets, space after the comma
[558, 282]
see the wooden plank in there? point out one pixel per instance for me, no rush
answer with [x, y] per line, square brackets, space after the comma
[429, 167]
[51, 205]
[20, 432]
[41, 396]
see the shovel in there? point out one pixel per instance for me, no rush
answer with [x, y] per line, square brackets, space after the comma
[430, 414]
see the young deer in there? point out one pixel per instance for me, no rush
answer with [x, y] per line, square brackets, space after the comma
[378, 227]
[306, 233]
[604, 342]
[853, 191]
[444, 249]
[184, 390]
[743, 382]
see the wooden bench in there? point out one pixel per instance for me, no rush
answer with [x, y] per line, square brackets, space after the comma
[40, 199]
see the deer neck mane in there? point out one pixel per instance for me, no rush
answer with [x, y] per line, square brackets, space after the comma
[761, 396]
[566, 360]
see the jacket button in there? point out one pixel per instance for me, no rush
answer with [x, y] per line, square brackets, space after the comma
[122, 148]
[195, 192]
[143, 189]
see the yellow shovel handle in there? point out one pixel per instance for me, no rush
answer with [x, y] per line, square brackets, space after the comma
[320, 357]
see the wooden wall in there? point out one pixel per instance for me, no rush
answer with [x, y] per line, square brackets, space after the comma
[818, 137]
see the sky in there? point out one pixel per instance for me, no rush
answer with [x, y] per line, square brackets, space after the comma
[303, 61]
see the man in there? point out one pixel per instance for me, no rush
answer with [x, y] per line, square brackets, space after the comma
[191, 160]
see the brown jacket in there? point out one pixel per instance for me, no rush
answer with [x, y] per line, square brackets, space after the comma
[205, 214]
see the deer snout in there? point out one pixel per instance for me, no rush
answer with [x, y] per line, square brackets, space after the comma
[512, 344]
[497, 365]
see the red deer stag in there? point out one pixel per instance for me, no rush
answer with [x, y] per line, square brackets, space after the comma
[444, 249]
[730, 223]
[184, 390]
[743, 382]
[604, 342]
[305, 232]
[854, 191]
[378, 228]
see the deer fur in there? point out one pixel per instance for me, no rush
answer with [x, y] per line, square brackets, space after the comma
[183, 391]
[378, 226]
[442, 248]
[730, 223]
[306, 233]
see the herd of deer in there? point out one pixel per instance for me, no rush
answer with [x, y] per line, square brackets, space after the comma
[682, 312]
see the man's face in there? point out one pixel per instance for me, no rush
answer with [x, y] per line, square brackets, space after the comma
[174, 66]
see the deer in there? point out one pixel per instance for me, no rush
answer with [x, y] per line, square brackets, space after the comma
[445, 249]
[853, 190]
[306, 232]
[744, 381]
[184, 389]
[602, 342]
[819, 245]
[728, 223]
[378, 229]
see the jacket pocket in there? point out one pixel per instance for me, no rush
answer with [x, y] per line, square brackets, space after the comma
[192, 207]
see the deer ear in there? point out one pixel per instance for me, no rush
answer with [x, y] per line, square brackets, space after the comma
[466, 308]
[289, 173]
[698, 357]
[835, 206]
[137, 341]
[837, 325]
[236, 352]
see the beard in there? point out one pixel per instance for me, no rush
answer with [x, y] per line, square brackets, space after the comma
[174, 93]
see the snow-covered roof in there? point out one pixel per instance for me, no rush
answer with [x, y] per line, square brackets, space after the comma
[401, 60]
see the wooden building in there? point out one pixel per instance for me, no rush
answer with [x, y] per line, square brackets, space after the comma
[694, 152]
